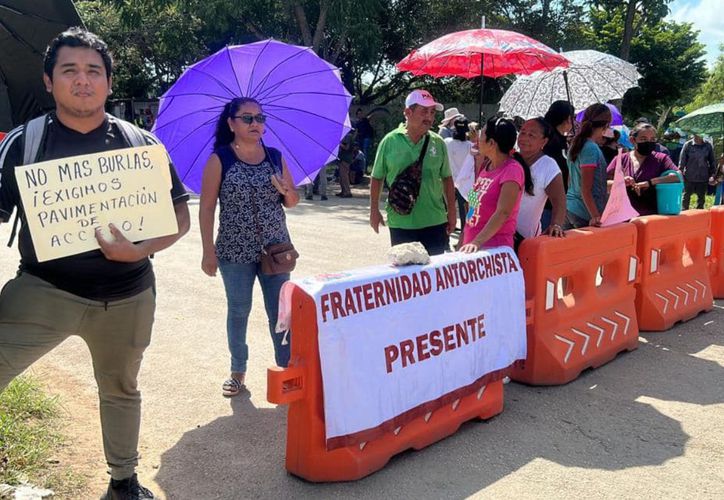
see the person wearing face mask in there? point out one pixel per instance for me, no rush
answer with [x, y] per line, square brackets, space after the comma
[642, 169]
[610, 145]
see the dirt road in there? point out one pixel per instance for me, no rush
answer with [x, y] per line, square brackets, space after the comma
[648, 425]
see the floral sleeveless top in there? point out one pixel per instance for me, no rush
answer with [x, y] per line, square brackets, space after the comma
[244, 231]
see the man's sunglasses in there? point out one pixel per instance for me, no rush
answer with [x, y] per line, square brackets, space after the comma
[249, 119]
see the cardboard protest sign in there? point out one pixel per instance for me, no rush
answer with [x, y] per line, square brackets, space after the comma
[66, 199]
[618, 207]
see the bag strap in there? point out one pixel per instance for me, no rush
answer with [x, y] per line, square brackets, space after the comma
[418, 162]
[133, 135]
[275, 157]
[34, 133]
[424, 149]
[259, 235]
[268, 152]
[33, 136]
[423, 152]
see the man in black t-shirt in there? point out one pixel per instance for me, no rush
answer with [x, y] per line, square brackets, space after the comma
[105, 296]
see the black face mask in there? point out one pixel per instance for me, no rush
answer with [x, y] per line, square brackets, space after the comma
[645, 148]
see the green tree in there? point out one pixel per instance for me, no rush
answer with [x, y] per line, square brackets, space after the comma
[635, 15]
[712, 91]
[667, 54]
[151, 43]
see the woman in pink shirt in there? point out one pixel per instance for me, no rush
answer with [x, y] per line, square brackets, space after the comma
[495, 198]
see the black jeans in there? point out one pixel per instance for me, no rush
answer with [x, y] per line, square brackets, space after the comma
[433, 238]
[699, 188]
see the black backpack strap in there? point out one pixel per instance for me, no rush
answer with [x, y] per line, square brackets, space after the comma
[14, 230]
[132, 134]
[32, 139]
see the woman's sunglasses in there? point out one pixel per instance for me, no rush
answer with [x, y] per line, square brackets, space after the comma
[249, 119]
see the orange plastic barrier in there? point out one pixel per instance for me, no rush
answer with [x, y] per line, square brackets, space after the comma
[300, 386]
[675, 283]
[580, 296]
[716, 258]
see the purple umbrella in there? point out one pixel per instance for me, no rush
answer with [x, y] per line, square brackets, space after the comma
[616, 116]
[301, 94]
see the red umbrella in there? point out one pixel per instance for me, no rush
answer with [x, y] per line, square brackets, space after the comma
[482, 52]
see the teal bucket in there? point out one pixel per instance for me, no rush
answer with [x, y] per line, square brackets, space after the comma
[668, 196]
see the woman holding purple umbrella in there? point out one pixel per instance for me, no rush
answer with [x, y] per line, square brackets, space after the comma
[253, 185]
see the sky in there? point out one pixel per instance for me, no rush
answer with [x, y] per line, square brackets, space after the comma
[707, 17]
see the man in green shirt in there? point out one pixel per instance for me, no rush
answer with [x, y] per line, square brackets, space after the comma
[433, 217]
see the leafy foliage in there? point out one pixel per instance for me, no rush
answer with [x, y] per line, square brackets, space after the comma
[667, 54]
[712, 91]
[155, 39]
[152, 42]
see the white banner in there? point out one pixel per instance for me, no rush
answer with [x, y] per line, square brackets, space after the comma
[395, 339]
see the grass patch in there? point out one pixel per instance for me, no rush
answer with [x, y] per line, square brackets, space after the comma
[29, 437]
[708, 201]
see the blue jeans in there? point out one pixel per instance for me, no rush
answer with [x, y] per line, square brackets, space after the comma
[239, 284]
[718, 194]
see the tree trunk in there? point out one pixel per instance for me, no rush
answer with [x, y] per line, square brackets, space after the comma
[321, 26]
[545, 11]
[301, 18]
[662, 118]
[628, 29]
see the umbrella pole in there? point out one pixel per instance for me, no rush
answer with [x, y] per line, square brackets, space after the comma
[568, 90]
[482, 89]
[482, 79]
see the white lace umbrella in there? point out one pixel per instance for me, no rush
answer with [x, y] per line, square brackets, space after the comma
[591, 77]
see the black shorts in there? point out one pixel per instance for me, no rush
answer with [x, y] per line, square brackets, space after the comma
[433, 238]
